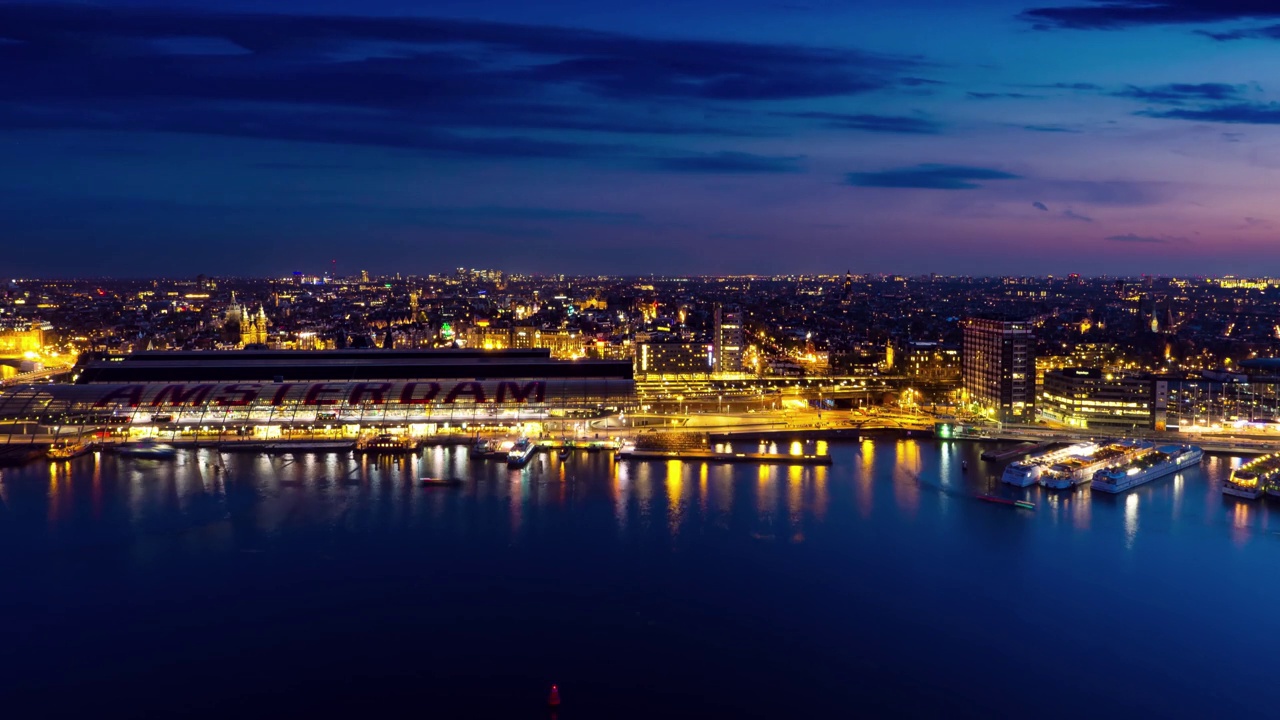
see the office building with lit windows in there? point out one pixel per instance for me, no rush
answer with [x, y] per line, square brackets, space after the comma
[728, 346]
[998, 368]
[1090, 398]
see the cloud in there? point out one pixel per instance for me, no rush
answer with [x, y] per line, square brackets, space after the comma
[929, 176]
[737, 237]
[1115, 14]
[1270, 32]
[918, 82]
[1179, 93]
[1107, 193]
[1238, 113]
[1040, 206]
[904, 124]
[1073, 215]
[727, 162]
[1067, 86]
[454, 87]
[1144, 239]
[1050, 129]
[1001, 96]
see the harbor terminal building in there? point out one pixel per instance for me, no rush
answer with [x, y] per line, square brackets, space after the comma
[272, 394]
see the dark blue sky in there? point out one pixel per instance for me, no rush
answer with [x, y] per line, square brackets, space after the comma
[629, 137]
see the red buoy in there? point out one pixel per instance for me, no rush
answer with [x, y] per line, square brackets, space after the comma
[554, 700]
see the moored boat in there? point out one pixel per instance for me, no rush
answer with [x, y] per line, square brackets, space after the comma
[1027, 472]
[1164, 461]
[1079, 469]
[68, 450]
[1253, 478]
[521, 452]
[481, 448]
[388, 444]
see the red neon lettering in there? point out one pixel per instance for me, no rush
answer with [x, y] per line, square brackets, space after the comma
[246, 392]
[283, 390]
[373, 390]
[315, 391]
[407, 398]
[180, 395]
[474, 389]
[132, 393]
[537, 389]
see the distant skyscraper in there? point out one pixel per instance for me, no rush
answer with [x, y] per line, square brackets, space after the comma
[998, 367]
[728, 339]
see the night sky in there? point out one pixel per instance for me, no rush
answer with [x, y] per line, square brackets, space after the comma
[630, 137]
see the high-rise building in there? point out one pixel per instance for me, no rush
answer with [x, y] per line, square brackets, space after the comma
[728, 339]
[998, 368]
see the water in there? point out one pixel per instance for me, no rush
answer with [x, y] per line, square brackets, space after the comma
[876, 587]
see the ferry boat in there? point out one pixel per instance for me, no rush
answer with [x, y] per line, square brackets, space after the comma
[1026, 473]
[481, 448]
[521, 452]
[68, 450]
[147, 448]
[388, 444]
[1253, 478]
[1165, 460]
[1079, 469]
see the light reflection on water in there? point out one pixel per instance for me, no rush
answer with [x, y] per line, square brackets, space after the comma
[911, 477]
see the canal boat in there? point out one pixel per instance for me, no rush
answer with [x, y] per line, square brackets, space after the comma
[1026, 472]
[66, 450]
[1165, 461]
[1253, 478]
[1079, 469]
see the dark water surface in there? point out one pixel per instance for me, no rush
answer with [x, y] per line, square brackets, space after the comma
[331, 584]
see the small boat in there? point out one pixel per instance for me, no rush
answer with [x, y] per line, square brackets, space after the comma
[521, 452]
[147, 448]
[563, 453]
[482, 448]
[69, 450]
[388, 445]
[1006, 501]
[439, 482]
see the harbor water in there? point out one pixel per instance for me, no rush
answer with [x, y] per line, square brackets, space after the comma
[878, 586]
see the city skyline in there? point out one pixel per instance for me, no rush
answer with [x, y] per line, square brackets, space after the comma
[1002, 138]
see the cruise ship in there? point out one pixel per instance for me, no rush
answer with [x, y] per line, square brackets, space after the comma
[1080, 469]
[1165, 460]
[1253, 478]
[521, 452]
[1025, 473]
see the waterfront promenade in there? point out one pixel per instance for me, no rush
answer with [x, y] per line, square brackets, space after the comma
[772, 425]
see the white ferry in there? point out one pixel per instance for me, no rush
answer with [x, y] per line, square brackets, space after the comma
[1080, 469]
[1253, 478]
[1166, 460]
[521, 452]
[1026, 472]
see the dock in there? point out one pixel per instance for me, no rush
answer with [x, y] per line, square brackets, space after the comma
[730, 457]
[1019, 451]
